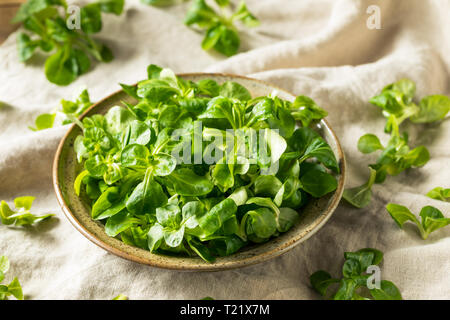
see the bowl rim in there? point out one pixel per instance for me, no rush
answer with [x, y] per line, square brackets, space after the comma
[256, 259]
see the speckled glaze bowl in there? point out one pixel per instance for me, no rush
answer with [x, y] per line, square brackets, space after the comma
[313, 216]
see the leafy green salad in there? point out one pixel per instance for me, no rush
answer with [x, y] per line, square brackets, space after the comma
[201, 168]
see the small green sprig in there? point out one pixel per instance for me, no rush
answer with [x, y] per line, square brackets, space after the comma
[221, 33]
[354, 276]
[14, 288]
[71, 47]
[120, 297]
[22, 215]
[439, 193]
[432, 218]
[396, 101]
[70, 109]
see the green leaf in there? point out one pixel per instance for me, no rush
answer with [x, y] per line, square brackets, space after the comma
[191, 212]
[120, 297]
[174, 237]
[275, 143]
[267, 186]
[155, 236]
[164, 164]
[25, 46]
[432, 108]
[346, 289]
[60, 69]
[27, 9]
[387, 291]
[243, 14]
[318, 183]
[439, 193]
[287, 219]
[225, 246]
[229, 41]
[21, 217]
[146, 197]
[401, 214]
[369, 143]
[304, 109]
[213, 219]
[105, 201]
[208, 87]
[130, 90]
[15, 289]
[234, 90]
[186, 183]
[76, 108]
[202, 251]
[112, 6]
[239, 196]
[405, 86]
[212, 36]
[24, 202]
[260, 222]
[156, 90]
[321, 280]
[118, 119]
[360, 196]
[119, 223]
[223, 108]
[432, 219]
[91, 18]
[135, 156]
[417, 157]
[351, 268]
[200, 14]
[366, 257]
[309, 144]
[106, 55]
[4, 264]
[44, 121]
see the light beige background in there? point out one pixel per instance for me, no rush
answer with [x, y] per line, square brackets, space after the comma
[320, 48]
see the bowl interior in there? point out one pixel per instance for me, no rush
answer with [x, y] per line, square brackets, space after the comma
[313, 216]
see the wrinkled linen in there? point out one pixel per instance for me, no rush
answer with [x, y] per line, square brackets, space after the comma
[319, 48]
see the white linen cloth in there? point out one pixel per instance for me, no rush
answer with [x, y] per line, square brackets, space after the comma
[319, 48]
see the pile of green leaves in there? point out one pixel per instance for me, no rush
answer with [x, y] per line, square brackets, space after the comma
[151, 199]
[12, 289]
[22, 215]
[354, 282]
[396, 101]
[432, 218]
[71, 49]
[70, 110]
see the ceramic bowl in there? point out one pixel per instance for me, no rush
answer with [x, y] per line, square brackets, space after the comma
[313, 216]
